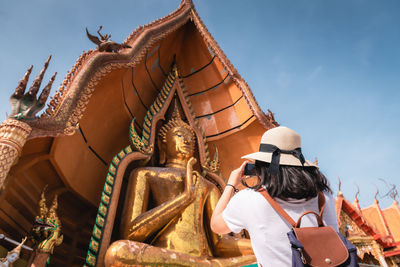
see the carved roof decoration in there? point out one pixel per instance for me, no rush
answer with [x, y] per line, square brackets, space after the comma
[69, 102]
[374, 216]
[367, 223]
[343, 205]
[387, 223]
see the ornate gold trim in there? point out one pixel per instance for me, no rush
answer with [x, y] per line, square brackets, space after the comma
[13, 135]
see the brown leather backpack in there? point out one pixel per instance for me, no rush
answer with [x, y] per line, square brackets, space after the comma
[319, 246]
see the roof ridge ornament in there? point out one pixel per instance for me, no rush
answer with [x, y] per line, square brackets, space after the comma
[357, 193]
[340, 194]
[187, 2]
[376, 194]
[104, 43]
[392, 193]
[25, 106]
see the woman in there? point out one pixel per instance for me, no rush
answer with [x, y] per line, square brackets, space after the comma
[288, 178]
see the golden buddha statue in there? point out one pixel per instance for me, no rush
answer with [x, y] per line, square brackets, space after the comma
[167, 211]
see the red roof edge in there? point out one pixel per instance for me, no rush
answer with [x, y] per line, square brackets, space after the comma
[360, 221]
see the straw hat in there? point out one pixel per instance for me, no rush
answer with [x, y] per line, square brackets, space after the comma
[284, 144]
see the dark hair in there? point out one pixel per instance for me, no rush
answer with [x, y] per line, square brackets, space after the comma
[292, 181]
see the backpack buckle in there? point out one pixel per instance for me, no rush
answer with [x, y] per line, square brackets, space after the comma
[303, 259]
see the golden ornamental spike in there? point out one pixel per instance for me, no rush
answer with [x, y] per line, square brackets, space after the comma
[19, 91]
[38, 81]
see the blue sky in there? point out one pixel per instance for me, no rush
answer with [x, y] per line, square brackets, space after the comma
[327, 69]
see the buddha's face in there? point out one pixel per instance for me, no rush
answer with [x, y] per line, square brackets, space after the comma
[179, 143]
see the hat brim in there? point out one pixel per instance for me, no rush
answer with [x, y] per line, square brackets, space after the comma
[286, 159]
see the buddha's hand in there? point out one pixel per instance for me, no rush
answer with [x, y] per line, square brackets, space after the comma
[192, 179]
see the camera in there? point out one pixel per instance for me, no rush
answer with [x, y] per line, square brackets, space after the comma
[250, 169]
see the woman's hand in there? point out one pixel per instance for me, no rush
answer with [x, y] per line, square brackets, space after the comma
[218, 224]
[236, 175]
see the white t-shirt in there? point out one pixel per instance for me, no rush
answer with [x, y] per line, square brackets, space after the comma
[249, 210]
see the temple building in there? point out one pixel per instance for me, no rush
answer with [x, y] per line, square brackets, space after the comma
[104, 122]
[98, 178]
[375, 232]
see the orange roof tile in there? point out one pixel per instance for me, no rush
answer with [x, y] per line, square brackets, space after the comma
[343, 205]
[374, 217]
[392, 217]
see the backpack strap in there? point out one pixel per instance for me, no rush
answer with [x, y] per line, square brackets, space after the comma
[319, 218]
[277, 207]
[321, 203]
[282, 212]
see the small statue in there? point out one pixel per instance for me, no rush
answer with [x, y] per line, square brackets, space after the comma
[25, 106]
[46, 232]
[165, 220]
[12, 256]
[105, 44]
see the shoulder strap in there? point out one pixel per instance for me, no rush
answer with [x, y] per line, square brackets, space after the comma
[282, 212]
[277, 207]
[321, 203]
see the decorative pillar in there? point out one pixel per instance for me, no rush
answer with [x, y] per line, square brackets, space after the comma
[378, 254]
[24, 106]
[13, 135]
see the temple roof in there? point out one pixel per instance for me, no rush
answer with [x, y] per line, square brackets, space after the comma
[374, 216]
[343, 205]
[374, 222]
[88, 118]
[224, 103]
[87, 122]
[392, 216]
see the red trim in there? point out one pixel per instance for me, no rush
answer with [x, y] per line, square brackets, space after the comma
[357, 217]
[391, 253]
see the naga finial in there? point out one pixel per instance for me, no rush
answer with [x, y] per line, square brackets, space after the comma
[42, 205]
[358, 192]
[26, 105]
[38, 81]
[395, 193]
[376, 194]
[47, 228]
[52, 215]
[340, 187]
[19, 91]
[271, 117]
[392, 193]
